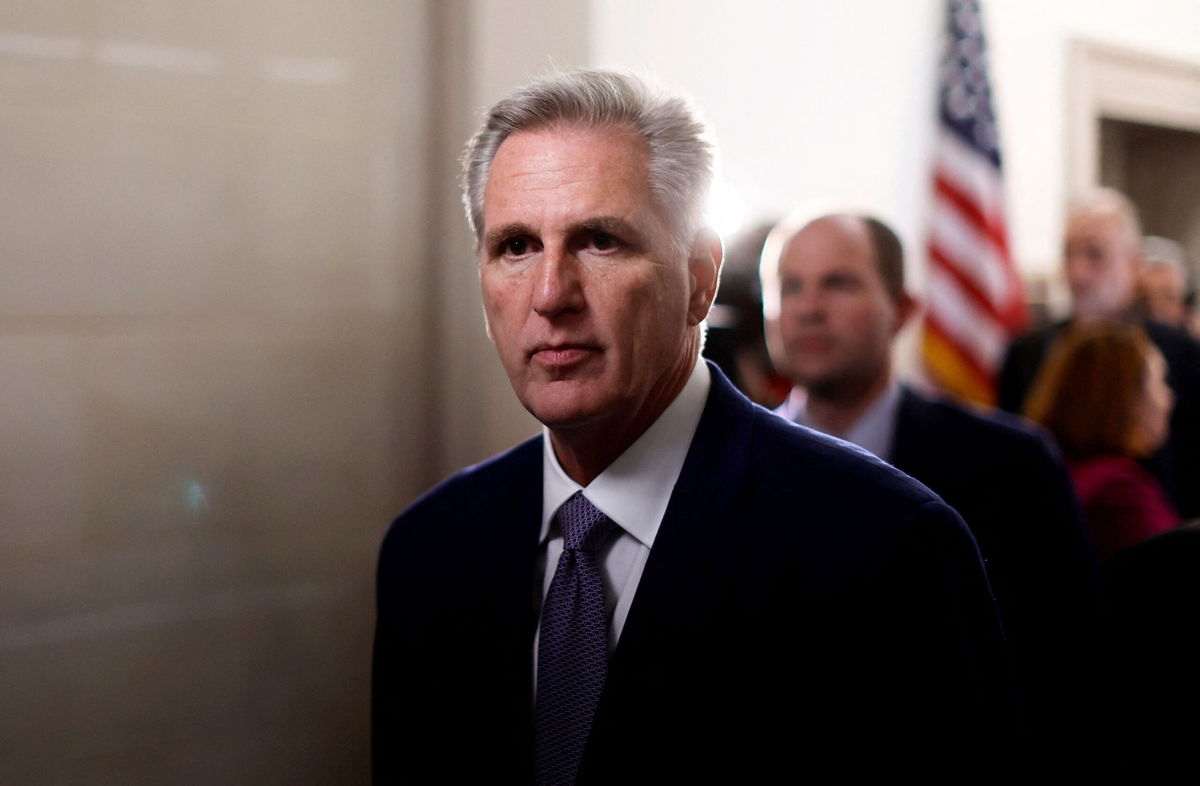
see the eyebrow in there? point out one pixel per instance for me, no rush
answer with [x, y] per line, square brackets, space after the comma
[609, 224]
[508, 230]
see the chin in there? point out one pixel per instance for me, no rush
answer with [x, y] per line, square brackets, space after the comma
[562, 412]
[813, 378]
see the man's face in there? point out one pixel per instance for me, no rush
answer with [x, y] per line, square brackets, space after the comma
[836, 319]
[1164, 291]
[1100, 261]
[593, 311]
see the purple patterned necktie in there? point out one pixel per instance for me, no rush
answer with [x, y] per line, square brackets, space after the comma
[572, 645]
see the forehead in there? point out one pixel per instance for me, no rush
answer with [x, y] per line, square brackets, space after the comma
[829, 243]
[565, 172]
[1092, 225]
[1165, 275]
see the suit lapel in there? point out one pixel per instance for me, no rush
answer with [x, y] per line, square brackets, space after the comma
[906, 441]
[688, 559]
[499, 603]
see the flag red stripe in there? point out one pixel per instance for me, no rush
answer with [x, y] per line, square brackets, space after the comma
[991, 226]
[942, 261]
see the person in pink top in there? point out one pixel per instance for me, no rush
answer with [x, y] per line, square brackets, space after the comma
[1103, 395]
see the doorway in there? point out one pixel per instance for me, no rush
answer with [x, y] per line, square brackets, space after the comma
[1159, 169]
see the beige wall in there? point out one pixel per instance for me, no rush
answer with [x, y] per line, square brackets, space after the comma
[210, 366]
[239, 331]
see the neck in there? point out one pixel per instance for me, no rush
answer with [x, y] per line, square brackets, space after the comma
[835, 409]
[1126, 313]
[587, 450]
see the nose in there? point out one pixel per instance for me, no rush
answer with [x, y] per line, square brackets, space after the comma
[1077, 271]
[558, 283]
[808, 305]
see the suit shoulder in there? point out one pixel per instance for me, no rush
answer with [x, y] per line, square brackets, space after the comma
[786, 498]
[835, 511]
[975, 460]
[964, 425]
[1169, 336]
[838, 505]
[1039, 337]
[1165, 560]
[794, 459]
[475, 490]
[1179, 349]
[1022, 359]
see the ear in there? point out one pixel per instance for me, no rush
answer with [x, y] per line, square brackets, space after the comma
[907, 308]
[487, 326]
[483, 292]
[704, 272]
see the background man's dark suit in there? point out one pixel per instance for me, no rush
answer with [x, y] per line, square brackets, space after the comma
[804, 609]
[1150, 683]
[1177, 464]
[1014, 492]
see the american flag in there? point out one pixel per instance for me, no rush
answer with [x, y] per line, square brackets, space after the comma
[975, 302]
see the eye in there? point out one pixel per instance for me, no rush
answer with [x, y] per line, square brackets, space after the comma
[606, 237]
[841, 282]
[602, 241]
[517, 246]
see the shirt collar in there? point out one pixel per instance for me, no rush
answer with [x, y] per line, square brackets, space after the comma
[874, 430]
[635, 489]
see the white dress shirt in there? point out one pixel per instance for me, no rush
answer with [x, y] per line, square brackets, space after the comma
[875, 430]
[633, 491]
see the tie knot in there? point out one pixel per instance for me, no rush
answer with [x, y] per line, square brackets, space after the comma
[584, 527]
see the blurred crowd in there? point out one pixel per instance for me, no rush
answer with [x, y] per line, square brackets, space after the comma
[1080, 488]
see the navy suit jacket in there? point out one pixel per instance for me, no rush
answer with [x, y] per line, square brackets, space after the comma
[805, 609]
[1010, 485]
[1150, 682]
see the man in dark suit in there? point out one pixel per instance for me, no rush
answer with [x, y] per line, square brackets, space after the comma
[669, 584]
[1151, 688]
[834, 287]
[1101, 259]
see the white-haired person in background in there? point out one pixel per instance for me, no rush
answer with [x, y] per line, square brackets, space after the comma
[1164, 283]
[1102, 259]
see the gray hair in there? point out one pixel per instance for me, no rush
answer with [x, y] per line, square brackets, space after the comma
[1110, 201]
[680, 155]
[1164, 252]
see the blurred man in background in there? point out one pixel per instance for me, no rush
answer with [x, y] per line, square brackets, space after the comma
[834, 287]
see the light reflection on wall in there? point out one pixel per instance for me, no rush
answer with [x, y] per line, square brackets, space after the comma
[194, 497]
[311, 71]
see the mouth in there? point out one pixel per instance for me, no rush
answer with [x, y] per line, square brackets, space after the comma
[562, 356]
[810, 345]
